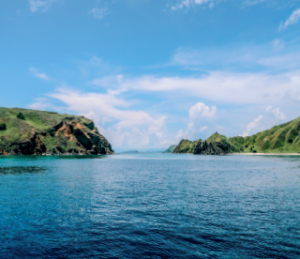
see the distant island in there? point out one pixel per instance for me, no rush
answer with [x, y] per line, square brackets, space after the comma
[284, 138]
[149, 151]
[32, 132]
[130, 152]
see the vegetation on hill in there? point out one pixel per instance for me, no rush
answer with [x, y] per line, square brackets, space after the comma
[284, 138]
[2, 126]
[20, 116]
[170, 149]
[39, 132]
[184, 146]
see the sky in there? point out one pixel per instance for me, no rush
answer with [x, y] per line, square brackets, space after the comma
[152, 72]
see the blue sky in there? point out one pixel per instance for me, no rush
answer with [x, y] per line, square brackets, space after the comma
[151, 72]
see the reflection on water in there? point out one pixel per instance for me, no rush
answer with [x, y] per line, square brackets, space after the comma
[23, 170]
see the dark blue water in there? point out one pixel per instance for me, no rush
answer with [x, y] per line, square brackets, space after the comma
[150, 206]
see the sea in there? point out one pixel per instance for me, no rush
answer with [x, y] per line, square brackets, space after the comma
[150, 206]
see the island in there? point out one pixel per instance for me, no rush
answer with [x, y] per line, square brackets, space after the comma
[284, 138]
[33, 132]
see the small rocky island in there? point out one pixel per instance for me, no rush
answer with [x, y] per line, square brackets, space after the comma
[32, 132]
[284, 138]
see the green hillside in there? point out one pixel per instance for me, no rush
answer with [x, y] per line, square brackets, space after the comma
[170, 149]
[185, 146]
[28, 132]
[283, 138]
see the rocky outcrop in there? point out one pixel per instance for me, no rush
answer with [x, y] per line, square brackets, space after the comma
[211, 148]
[69, 135]
[214, 145]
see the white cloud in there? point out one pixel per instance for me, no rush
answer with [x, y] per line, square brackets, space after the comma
[123, 127]
[278, 44]
[226, 87]
[43, 104]
[276, 112]
[98, 13]
[197, 115]
[272, 55]
[252, 125]
[36, 5]
[35, 73]
[269, 108]
[203, 129]
[293, 19]
[253, 2]
[188, 3]
[200, 109]
[294, 91]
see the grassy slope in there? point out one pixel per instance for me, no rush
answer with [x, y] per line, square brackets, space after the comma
[170, 149]
[283, 138]
[185, 146]
[20, 130]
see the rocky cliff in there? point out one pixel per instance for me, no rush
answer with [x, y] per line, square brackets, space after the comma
[31, 132]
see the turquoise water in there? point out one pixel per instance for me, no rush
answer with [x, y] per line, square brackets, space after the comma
[150, 206]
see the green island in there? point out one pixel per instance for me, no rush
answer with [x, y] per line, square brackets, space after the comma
[32, 132]
[284, 138]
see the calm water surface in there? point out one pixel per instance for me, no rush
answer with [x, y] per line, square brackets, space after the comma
[150, 206]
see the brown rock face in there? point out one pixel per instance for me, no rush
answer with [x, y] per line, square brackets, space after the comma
[71, 135]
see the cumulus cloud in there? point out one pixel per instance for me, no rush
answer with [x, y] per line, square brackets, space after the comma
[36, 5]
[123, 126]
[293, 19]
[198, 114]
[98, 13]
[252, 125]
[200, 109]
[37, 74]
[276, 112]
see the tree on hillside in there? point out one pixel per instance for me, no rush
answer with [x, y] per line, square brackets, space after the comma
[21, 116]
[2, 126]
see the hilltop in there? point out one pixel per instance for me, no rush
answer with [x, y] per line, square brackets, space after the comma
[284, 138]
[29, 132]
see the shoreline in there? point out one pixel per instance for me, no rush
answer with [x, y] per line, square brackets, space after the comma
[265, 154]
